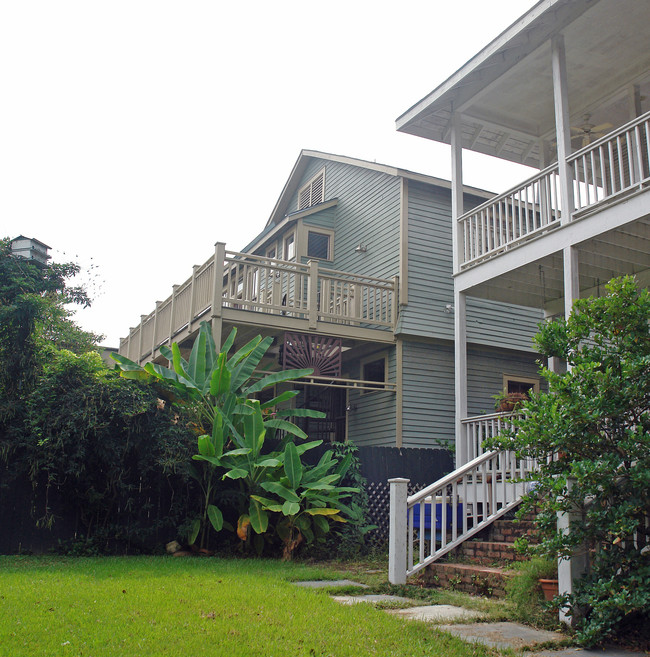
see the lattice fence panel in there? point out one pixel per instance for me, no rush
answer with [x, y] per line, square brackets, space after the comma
[379, 510]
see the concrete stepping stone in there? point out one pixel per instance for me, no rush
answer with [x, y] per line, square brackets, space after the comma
[372, 599]
[584, 652]
[502, 635]
[330, 583]
[436, 613]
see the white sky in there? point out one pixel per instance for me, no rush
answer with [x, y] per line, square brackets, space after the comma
[135, 134]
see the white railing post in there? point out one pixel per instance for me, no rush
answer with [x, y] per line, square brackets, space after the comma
[312, 294]
[397, 531]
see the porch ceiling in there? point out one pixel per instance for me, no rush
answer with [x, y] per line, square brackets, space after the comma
[539, 283]
[505, 93]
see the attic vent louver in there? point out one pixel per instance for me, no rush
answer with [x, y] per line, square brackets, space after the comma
[313, 192]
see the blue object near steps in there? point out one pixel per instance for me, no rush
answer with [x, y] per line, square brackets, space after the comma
[438, 516]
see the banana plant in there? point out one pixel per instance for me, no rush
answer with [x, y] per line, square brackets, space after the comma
[307, 499]
[233, 426]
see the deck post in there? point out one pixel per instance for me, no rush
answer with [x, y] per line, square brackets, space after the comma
[217, 292]
[312, 294]
[195, 268]
[140, 347]
[396, 302]
[155, 329]
[397, 531]
[172, 314]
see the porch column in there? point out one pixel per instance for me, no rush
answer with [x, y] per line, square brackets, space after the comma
[460, 374]
[460, 315]
[569, 570]
[562, 126]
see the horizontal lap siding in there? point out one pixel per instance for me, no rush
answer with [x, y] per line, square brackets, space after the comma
[430, 283]
[485, 375]
[428, 394]
[371, 421]
[367, 213]
[428, 387]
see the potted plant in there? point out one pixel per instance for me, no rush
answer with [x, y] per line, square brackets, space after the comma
[507, 402]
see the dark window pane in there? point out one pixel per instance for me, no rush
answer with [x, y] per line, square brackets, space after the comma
[318, 245]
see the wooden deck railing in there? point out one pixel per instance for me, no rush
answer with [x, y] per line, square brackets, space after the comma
[265, 285]
[612, 167]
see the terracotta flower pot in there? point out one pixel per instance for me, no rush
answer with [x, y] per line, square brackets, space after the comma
[549, 588]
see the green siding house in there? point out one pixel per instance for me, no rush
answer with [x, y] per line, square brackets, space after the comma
[352, 274]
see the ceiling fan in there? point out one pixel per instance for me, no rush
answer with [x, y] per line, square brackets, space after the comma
[588, 132]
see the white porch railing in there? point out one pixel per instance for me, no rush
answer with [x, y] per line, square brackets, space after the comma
[265, 285]
[478, 429]
[511, 218]
[612, 167]
[427, 525]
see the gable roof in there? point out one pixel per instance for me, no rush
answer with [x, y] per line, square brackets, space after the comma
[295, 179]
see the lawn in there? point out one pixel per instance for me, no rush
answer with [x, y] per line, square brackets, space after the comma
[148, 606]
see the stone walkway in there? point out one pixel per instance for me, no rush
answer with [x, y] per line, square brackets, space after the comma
[497, 635]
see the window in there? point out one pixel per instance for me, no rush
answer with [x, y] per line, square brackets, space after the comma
[514, 383]
[373, 369]
[313, 192]
[290, 247]
[318, 245]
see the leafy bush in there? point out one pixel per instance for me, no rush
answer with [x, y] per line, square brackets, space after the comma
[591, 436]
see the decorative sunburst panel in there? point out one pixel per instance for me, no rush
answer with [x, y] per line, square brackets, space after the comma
[319, 352]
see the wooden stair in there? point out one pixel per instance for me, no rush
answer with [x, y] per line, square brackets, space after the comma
[478, 566]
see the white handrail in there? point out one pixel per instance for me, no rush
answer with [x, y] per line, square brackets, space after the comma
[440, 517]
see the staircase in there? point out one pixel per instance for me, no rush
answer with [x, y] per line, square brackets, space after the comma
[477, 566]
[438, 519]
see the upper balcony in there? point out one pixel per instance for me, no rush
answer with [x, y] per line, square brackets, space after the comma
[604, 173]
[254, 291]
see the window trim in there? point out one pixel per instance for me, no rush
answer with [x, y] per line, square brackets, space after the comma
[521, 379]
[309, 186]
[289, 236]
[371, 359]
[320, 231]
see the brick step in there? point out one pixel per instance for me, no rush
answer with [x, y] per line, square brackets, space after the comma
[507, 531]
[469, 578]
[488, 552]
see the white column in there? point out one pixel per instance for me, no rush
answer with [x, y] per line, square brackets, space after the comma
[562, 125]
[571, 278]
[456, 190]
[569, 570]
[397, 531]
[460, 374]
[460, 314]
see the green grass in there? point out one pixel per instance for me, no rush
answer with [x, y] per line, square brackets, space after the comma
[149, 606]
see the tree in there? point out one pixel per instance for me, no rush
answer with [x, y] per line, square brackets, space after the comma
[33, 315]
[591, 437]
